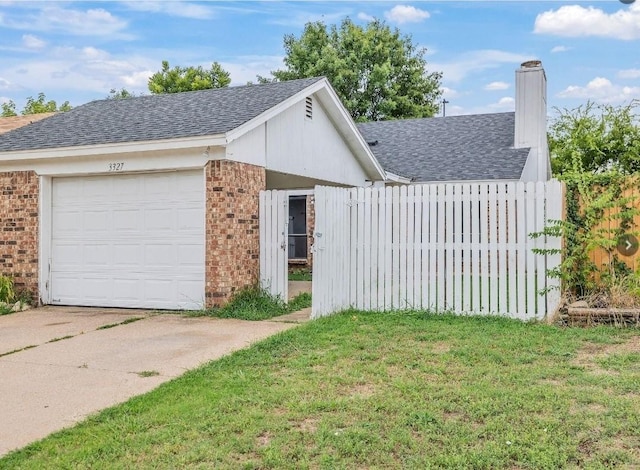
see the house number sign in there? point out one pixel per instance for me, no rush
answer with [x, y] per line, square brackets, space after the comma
[115, 166]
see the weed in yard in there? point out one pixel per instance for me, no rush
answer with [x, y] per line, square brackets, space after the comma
[300, 274]
[256, 304]
[125, 322]
[148, 373]
[54, 340]
[18, 350]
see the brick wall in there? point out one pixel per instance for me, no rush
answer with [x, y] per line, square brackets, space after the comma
[232, 233]
[19, 229]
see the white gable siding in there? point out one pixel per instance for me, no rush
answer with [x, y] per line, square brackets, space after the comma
[310, 147]
[250, 147]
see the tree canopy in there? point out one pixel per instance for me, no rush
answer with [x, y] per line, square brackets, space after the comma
[596, 138]
[178, 79]
[378, 73]
[34, 106]
[120, 94]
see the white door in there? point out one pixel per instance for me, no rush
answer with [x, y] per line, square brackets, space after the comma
[132, 240]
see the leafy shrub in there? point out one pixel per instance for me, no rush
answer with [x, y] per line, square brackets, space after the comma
[7, 293]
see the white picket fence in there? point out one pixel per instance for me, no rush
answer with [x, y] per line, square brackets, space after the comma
[444, 247]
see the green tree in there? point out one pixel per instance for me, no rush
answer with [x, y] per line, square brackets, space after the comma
[121, 94]
[178, 79]
[41, 105]
[9, 109]
[377, 72]
[601, 137]
[35, 106]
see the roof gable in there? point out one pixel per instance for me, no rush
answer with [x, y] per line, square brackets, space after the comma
[153, 117]
[455, 148]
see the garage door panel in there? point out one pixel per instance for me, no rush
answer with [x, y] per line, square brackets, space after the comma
[159, 220]
[188, 220]
[126, 290]
[129, 240]
[96, 221]
[70, 221]
[160, 255]
[127, 255]
[127, 220]
[96, 255]
[190, 255]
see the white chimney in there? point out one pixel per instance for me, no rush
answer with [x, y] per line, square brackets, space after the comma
[531, 119]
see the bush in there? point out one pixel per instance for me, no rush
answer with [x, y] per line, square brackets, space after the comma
[7, 293]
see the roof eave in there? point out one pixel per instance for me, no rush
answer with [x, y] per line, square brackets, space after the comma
[392, 177]
[115, 148]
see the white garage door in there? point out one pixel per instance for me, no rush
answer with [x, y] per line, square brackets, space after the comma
[129, 240]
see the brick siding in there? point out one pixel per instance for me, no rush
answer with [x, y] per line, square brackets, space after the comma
[19, 229]
[232, 232]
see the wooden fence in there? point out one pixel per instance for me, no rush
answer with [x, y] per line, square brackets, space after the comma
[445, 247]
[609, 223]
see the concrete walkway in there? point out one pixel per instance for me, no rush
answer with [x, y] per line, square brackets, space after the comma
[59, 364]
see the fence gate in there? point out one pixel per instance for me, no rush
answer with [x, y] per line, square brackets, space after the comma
[444, 247]
[274, 222]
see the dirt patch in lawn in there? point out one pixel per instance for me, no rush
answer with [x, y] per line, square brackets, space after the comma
[591, 355]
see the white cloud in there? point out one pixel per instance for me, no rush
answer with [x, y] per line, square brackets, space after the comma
[560, 49]
[493, 86]
[472, 62]
[406, 14]
[602, 90]
[365, 17]
[91, 22]
[506, 103]
[449, 92]
[137, 80]
[301, 18]
[4, 84]
[629, 74]
[576, 20]
[32, 42]
[244, 69]
[174, 8]
[4, 99]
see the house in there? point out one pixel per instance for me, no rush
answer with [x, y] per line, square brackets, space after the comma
[478, 147]
[152, 201]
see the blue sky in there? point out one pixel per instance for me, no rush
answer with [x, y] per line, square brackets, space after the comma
[78, 51]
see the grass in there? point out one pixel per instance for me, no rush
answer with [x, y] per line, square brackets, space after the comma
[362, 390]
[31, 346]
[300, 274]
[148, 373]
[125, 322]
[256, 304]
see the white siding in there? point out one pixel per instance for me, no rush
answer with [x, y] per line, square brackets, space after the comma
[311, 147]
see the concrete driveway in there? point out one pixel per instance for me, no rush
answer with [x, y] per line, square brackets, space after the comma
[60, 364]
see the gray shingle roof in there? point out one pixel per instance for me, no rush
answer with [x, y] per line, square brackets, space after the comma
[153, 117]
[453, 148]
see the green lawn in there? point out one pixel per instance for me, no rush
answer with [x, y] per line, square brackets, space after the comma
[363, 390]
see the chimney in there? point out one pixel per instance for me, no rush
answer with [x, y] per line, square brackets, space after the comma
[531, 119]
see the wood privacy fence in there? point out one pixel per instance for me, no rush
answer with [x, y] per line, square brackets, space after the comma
[609, 223]
[445, 247]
